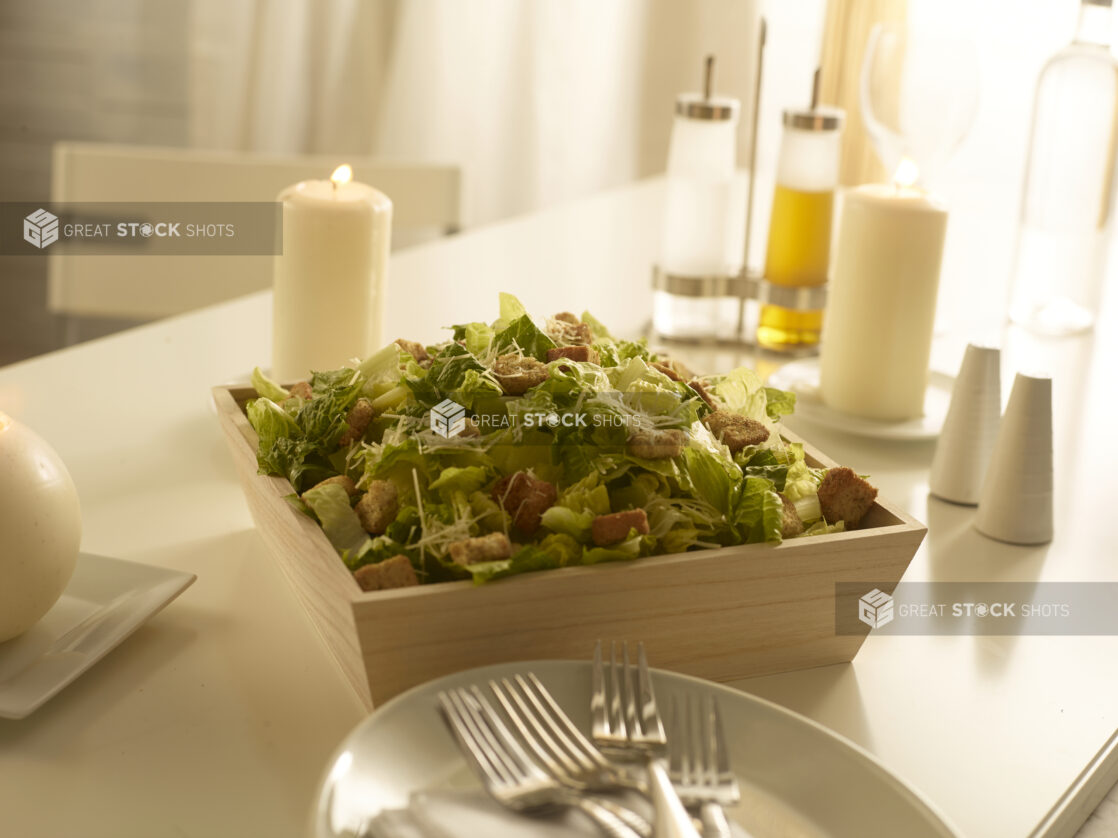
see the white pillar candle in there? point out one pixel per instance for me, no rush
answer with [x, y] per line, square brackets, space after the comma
[329, 282]
[877, 332]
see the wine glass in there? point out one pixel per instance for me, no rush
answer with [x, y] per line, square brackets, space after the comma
[919, 94]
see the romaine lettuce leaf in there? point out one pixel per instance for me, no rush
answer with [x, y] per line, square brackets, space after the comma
[526, 336]
[527, 559]
[267, 388]
[779, 403]
[597, 329]
[510, 308]
[330, 504]
[478, 336]
[466, 479]
[624, 551]
[576, 525]
[741, 392]
[758, 514]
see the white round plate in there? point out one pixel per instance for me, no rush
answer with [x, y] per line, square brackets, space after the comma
[802, 378]
[798, 779]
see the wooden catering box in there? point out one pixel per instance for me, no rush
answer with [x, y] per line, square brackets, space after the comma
[718, 614]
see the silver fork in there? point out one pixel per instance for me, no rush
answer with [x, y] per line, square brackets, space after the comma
[620, 728]
[507, 772]
[699, 763]
[561, 748]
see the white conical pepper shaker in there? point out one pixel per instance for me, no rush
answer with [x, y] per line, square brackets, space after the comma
[966, 442]
[1016, 501]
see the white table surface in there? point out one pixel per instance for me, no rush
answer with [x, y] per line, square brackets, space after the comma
[218, 716]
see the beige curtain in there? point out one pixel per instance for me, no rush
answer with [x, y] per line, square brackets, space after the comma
[846, 30]
[538, 101]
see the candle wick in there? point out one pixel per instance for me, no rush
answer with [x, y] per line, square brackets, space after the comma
[708, 78]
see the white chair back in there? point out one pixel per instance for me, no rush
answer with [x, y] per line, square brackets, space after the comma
[144, 288]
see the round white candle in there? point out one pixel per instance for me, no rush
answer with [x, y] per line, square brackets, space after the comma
[329, 282]
[877, 331]
[40, 528]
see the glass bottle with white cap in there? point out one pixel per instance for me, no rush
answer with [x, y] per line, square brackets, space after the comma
[703, 242]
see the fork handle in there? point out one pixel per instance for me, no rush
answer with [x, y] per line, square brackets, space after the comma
[670, 819]
[603, 814]
[627, 816]
[714, 821]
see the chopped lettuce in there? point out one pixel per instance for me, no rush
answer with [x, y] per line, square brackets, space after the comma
[330, 504]
[524, 336]
[779, 403]
[267, 388]
[705, 497]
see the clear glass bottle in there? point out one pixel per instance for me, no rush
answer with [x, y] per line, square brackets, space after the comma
[1068, 199]
[799, 249]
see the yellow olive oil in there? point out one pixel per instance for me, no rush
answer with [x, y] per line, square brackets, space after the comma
[799, 254]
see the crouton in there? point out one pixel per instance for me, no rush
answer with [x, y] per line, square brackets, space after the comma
[396, 572]
[302, 389]
[341, 480]
[844, 496]
[569, 334]
[667, 369]
[413, 348]
[470, 428]
[734, 430]
[567, 317]
[610, 529]
[655, 444]
[698, 387]
[516, 374]
[486, 548]
[791, 525]
[378, 507]
[358, 419]
[574, 353]
[525, 499]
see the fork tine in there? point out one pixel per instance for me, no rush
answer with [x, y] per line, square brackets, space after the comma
[497, 754]
[545, 746]
[617, 720]
[599, 720]
[675, 745]
[721, 750]
[651, 722]
[464, 731]
[508, 744]
[580, 746]
[710, 747]
[694, 771]
[632, 722]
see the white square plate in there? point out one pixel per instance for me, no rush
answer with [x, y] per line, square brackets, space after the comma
[106, 600]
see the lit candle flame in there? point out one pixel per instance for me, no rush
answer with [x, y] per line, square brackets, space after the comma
[907, 173]
[5, 422]
[342, 174]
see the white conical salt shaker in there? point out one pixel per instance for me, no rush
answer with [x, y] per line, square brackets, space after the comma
[970, 429]
[1016, 500]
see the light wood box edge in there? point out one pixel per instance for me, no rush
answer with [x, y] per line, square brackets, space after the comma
[387, 641]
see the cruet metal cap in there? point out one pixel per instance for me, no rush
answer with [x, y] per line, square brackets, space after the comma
[695, 106]
[819, 119]
[706, 105]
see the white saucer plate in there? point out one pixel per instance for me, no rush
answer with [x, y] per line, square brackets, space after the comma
[106, 600]
[802, 378]
[798, 779]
